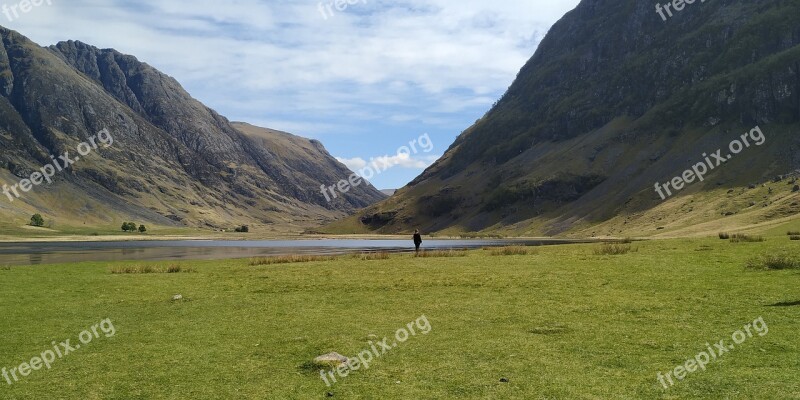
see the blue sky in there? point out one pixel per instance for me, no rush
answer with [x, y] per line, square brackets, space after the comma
[364, 80]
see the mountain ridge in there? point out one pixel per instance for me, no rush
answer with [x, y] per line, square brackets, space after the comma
[175, 162]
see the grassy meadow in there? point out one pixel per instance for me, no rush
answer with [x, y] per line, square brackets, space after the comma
[562, 322]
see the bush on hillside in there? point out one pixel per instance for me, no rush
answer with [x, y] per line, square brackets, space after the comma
[37, 220]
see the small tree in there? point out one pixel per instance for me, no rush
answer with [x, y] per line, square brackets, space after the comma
[37, 220]
[142, 229]
[124, 226]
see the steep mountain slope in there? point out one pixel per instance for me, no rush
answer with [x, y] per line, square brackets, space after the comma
[614, 100]
[173, 161]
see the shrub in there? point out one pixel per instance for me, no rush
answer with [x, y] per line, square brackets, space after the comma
[724, 236]
[142, 229]
[242, 229]
[742, 238]
[793, 233]
[612, 249]
[37, 220]
[511, 251]
[129, 227]
[289, 259]
[774, 262]
[441, 253]
[794, 237]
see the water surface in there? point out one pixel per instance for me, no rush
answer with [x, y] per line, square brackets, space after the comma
[33, 253]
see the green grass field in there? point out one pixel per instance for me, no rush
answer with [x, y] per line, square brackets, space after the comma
[562, 323]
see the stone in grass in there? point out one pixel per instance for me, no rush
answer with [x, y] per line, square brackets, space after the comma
[331, 360]
[504, 380]
[177, 297]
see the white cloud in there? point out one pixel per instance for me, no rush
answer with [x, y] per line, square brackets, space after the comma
[382, 50]
[354, 164]
[382, 163]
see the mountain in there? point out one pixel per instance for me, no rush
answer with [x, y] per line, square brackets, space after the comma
[173, 161]
[615, 99]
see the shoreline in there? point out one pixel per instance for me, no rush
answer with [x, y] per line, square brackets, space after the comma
[240, 238]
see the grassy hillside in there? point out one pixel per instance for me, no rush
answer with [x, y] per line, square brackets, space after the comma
[563, 322]
[696, 211]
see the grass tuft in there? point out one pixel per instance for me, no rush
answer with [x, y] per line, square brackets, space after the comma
[549, 330]
[794, 237]
[290, 259]
[150, 269]
[440, 253]
[724, 235]
[793, 233]
[742, 238]
[511, 251]
[613, 249]
[383, 255]
[774, 262]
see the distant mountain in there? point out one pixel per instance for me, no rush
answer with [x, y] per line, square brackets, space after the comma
[389, 192]
[173, 161]
[614, 100]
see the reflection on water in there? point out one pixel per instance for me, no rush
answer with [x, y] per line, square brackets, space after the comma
[12, 254]
[35, 258]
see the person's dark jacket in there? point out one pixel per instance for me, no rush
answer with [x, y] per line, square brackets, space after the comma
[417, 239]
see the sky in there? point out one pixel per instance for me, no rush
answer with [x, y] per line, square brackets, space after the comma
[365, 78]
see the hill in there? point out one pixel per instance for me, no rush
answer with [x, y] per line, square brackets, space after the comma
[615, 100]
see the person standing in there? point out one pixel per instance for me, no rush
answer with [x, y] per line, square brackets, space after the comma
[417, 239]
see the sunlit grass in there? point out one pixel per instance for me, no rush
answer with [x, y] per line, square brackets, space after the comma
[537, 322]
